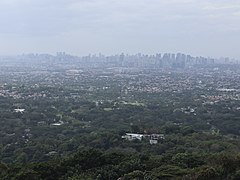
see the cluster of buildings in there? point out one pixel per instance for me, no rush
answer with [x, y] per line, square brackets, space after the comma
[153, 138]
[164, 60]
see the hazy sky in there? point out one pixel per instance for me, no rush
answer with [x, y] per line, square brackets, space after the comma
[197, 27]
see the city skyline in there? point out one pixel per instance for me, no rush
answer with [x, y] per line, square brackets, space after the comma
[158, 60]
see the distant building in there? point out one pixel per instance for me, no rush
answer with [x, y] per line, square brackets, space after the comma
[58, 123]
[132, 136]
[153, 138]
[19, 110]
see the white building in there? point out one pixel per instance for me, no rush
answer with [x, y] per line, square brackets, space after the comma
[132, 136]
[153, 138]
[19, 110]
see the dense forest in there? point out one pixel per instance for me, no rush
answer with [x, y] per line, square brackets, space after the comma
[56, 125]
[126, 165]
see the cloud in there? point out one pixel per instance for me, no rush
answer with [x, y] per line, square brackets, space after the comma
[59, 16]
[115, 25]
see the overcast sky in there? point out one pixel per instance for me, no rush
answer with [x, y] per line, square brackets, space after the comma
[198, 27]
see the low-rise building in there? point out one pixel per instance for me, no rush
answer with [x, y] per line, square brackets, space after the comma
[153, 138]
